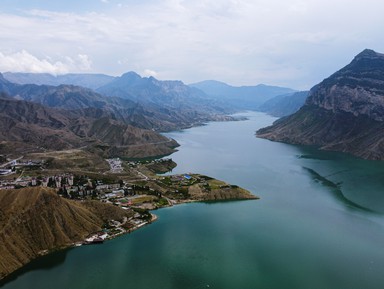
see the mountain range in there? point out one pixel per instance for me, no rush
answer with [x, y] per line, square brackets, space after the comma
[39, 118]
[91, 81]
[210, 94]
[345, 112]
[161, 116]
[240, 97]
[114, 113]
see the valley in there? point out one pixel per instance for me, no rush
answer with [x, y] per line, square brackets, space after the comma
[314, 205]
[89, 165]
[191, 144]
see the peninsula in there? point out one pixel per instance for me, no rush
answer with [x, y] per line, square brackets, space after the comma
[44, 208]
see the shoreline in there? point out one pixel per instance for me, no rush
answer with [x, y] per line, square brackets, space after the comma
[155, 192]
[14, 275]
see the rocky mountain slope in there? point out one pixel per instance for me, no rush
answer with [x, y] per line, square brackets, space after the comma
[345, 112]
[242, 97]
[286, 104]
[34, 220]
[33, 127]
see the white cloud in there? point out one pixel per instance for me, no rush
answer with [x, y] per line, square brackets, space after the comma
[23, 61]
[84, 62]
[149, 72]
[237, 41]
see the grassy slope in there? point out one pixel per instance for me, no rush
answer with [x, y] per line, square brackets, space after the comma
[36, 219]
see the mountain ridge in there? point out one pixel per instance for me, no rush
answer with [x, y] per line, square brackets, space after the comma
[344, 112]
[88, 80]
[143, 102]
[156, 93]
[33, 127]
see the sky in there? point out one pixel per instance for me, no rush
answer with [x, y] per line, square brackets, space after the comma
[291, 43]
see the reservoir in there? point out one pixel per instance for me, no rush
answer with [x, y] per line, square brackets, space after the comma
[319, 224]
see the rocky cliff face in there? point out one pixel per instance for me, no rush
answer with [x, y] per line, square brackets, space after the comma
[358, 88]
[345, 112]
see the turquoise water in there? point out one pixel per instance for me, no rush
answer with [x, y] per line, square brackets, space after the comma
[319, 224]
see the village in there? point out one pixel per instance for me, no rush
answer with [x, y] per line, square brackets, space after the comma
[14, 174]
[135, 186]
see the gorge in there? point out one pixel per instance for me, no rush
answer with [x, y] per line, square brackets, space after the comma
[319, 223]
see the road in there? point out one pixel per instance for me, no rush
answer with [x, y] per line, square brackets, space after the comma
[10, 162]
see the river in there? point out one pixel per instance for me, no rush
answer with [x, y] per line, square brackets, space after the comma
[319, 224]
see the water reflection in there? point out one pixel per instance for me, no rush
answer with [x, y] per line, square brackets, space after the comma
[335, 189]
[362, 180]
[46, 262]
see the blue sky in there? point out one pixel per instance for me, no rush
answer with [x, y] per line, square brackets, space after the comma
[292, 43]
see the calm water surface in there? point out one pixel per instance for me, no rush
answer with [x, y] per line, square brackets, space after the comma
[319, 224]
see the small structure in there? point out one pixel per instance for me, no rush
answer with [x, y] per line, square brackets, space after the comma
[5, 172]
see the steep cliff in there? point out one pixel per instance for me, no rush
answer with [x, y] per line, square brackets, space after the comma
[345, 112]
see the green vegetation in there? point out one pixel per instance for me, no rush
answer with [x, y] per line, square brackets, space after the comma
[215, 184]
[205, 178]
[143, 199]
[167, 181]
[162, 202]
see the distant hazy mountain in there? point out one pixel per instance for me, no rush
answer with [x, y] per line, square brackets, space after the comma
[143, 102]
[149, 90]
[242, 97]
[190, 106]
[160, 117]
[92, 81]
[286, 104]
[345, 112]
[203, 98]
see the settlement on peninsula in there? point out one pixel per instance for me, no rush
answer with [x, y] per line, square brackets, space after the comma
[43, 208]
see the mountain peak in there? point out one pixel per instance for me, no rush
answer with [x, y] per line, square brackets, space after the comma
[368, 64]
[345, 112]
[368, 54]
[131, 75]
